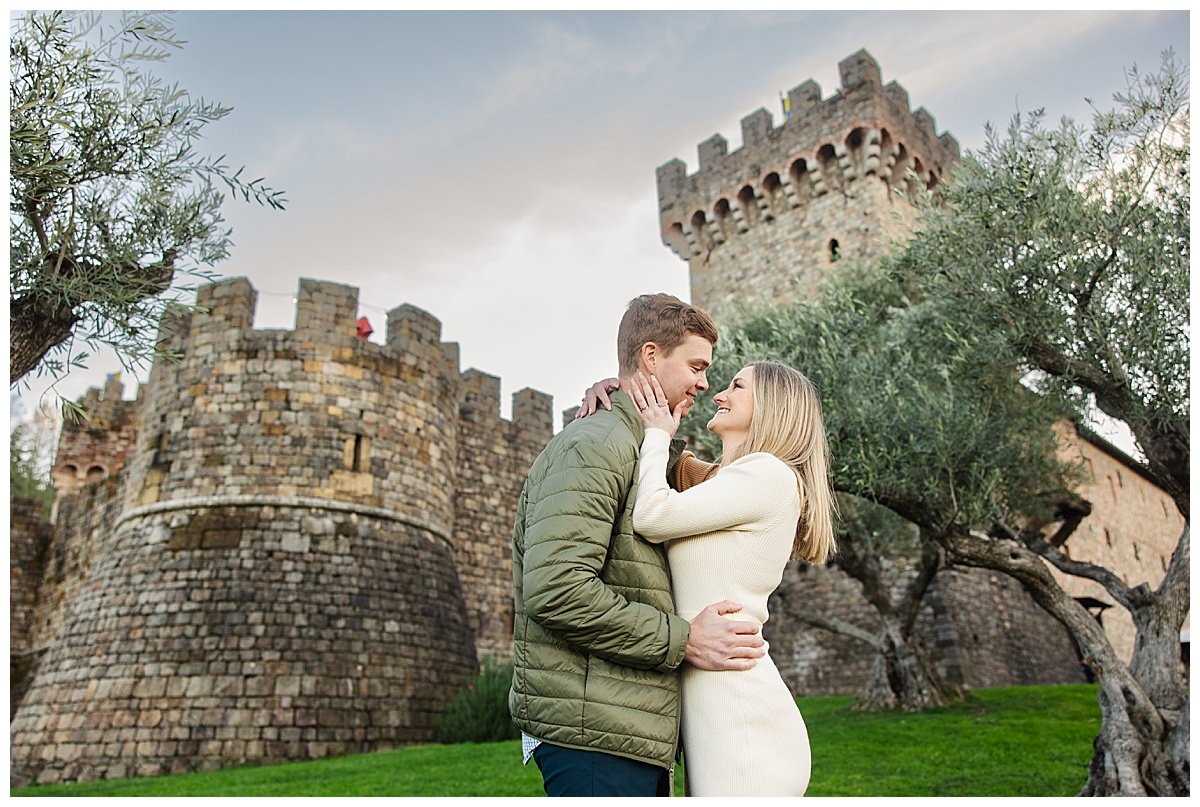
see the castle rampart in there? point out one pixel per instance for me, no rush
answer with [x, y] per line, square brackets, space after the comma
[494, 456]
[283, 567]
[29, 544]
[833, 181]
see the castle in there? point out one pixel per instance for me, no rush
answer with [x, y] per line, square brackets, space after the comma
[295, 543]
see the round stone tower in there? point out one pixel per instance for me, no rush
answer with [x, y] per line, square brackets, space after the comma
[279, 583]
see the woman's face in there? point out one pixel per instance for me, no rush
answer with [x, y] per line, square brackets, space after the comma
[735, 406]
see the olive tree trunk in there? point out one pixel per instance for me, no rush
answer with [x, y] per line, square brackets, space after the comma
[35, 328]
[901, 675]
[1142, 748]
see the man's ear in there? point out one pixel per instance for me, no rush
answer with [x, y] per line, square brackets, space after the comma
[649, 355]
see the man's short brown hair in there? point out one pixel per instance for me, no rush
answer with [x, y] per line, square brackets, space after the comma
[662, 319]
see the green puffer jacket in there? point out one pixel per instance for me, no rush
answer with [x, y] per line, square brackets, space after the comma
[596, 642]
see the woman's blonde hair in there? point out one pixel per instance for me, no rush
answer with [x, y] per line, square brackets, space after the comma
[787, 423]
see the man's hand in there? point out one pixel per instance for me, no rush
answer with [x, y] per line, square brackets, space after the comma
[717, 643]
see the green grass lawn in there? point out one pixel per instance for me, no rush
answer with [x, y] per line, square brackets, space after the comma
[1016, 741]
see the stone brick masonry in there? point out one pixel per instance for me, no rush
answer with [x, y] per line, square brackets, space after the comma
[767, 222]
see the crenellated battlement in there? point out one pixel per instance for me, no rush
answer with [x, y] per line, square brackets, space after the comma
[861, 143]
[807, 113]
[326, 308]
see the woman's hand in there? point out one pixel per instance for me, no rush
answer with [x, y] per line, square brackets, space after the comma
[597, 394]
[651, 403]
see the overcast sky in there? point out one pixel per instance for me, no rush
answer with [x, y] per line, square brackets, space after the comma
[497, 168]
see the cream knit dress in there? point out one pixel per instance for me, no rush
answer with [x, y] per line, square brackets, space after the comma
[730, 538]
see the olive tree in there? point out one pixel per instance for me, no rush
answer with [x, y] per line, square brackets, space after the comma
[1071, 245]
[873, 544]
[109, 202]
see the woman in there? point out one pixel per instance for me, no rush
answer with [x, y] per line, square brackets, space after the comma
[730, 538]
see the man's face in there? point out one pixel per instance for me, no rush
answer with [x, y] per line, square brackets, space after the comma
[682, 373]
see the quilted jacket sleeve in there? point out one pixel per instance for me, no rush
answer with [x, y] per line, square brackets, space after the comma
[569, 525]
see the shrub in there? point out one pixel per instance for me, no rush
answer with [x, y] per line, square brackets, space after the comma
[478, 713]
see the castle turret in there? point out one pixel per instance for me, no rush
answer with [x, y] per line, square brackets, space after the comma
[833, 181]
[276, 577]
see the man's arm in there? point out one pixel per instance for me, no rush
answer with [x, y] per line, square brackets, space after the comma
[569, 527]
[717, 643]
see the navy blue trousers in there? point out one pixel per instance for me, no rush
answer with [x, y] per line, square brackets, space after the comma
[571, 772]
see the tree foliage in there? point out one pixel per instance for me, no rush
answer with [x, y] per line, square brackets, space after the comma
[109, 200]
[31, 449]
[1073, 243]
[1073, 246]
[921, 418]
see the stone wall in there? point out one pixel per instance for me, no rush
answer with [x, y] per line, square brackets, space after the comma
[95, 446]
[1133, 529]
[83, 520]
[314, 632]
[1001, 637]
[980, 629]
[28, 545]
[494, 456]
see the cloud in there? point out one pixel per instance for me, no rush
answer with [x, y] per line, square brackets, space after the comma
[562, 53]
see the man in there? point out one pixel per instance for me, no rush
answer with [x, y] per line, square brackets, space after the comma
[596, 641]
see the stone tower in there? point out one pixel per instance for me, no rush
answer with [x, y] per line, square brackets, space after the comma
[833, 181]
[274, 573]
[90, 450]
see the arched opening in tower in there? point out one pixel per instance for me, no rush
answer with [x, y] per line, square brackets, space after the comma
[801, 182]
[899, 176]
[748, 201]
[720, 217]
[676, 240]
[827, 159]
[700, 228]
[855, 147]
[773, 188]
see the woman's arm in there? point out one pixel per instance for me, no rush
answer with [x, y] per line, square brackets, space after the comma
[749, 493]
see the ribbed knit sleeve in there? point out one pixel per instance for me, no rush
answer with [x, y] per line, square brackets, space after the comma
[690, 471]
[745, 495]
